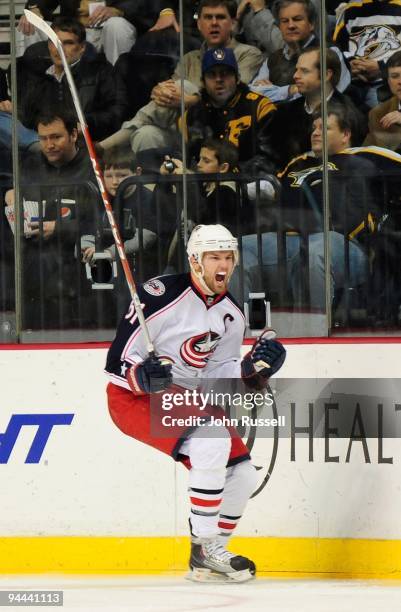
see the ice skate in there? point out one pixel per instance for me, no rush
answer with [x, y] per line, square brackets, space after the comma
[211, 562]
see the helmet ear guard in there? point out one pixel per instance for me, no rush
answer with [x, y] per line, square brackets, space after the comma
[205, 238]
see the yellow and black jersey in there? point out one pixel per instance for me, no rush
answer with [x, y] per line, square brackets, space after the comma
[354, 196]
[244, 121]
[370, 29]
[387, 162]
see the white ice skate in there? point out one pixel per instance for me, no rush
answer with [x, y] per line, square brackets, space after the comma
[211, 562]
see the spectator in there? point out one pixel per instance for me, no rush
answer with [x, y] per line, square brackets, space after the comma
[385, 119]
[26, 138]
[40, 87]
[369, 33]
[210, 202]
[353, 211]
[56, 182]
[227, 109]
[152, 59]
[111, 26]
[154, 56]
[153, 126]
[217, 201]
[219, 198]
[138, 228]
[296, 116]
[297, 21]
[257, 26]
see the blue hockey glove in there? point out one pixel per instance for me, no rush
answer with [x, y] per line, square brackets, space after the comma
[150, 376]
[265, 359]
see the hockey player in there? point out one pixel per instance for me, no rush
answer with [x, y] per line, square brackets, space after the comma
[197, 331]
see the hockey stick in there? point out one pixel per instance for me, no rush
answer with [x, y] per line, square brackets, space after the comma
[39, 23]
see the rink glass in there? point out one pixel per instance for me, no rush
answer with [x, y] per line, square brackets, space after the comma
[48, 294]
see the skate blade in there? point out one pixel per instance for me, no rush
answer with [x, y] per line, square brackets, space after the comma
[200, 574]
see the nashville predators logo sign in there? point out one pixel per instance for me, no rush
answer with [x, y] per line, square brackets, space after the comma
[196, 350]
[376, 42]
[299, 177]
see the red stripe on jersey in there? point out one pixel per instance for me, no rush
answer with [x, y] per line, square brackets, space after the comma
[205, 502]
[227, 525]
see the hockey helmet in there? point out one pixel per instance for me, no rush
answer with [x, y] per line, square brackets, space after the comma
[211, 238]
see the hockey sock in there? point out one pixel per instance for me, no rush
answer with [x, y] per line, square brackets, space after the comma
[208, 452]
[205, 507]
[226, 525]
[241, 480]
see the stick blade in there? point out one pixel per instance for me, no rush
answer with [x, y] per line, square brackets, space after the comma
[40, 24]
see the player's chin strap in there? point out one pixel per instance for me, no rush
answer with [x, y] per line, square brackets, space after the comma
[199, 277]
[200, 280]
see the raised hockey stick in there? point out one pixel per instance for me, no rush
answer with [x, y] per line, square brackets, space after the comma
[39, 23]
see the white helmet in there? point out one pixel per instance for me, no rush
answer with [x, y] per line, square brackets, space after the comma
[210, 238]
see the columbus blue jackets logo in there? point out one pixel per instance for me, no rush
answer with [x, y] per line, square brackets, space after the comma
[154, 287]
[196, 350]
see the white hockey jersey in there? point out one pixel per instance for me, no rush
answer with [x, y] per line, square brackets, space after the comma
[201, 335]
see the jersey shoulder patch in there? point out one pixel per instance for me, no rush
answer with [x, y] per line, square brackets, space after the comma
[155, 287]
[161, 290]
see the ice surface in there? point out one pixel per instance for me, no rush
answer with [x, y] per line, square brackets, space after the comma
[174, 594]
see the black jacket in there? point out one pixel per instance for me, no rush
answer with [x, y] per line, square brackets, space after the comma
[219, 205]
[353, 197]
[94, 79]
[69, 194]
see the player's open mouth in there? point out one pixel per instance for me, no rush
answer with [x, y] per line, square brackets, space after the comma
[220, 277]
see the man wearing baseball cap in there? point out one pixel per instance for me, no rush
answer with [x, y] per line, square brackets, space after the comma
[219, 57]
[228, 110]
